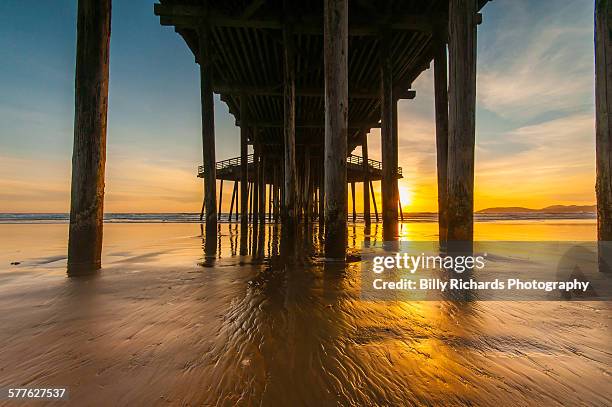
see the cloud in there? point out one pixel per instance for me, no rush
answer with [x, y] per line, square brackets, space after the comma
[537, 64]
[557, 164]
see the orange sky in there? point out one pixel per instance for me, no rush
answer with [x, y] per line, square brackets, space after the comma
[535, 122]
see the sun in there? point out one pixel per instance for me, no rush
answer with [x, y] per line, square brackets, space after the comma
[406, 195]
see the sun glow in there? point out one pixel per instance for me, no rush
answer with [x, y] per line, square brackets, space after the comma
[406, 195]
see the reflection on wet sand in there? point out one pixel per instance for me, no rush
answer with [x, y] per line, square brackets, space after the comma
[278, 326]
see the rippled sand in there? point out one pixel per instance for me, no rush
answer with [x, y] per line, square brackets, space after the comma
[163, 325]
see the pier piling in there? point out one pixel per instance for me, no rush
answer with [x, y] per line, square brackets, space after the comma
[441, 113]
[208, 135]
[89, 149]
[461, 119]
[335, 26]
[603, 128]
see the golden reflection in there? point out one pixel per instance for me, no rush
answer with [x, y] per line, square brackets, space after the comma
[251, 330]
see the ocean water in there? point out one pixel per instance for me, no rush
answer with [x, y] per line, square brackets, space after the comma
[163, 323]
[9, 218]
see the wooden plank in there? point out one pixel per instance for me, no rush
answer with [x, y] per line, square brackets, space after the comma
[461, 119]
[336, 124]
[208, 140]
[190, 16]
[89, 150]
[441, 113]
[603, 129]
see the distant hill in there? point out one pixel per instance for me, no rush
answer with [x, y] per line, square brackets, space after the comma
[548, 209]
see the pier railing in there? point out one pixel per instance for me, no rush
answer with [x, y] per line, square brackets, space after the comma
[351, 159]
[223, 164]
[373, 164]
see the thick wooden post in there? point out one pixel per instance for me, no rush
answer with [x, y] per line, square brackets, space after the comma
[244, 165]
[389, 145]
[290, 188]
[603, 129]
[89, 149]
[208, 138]
[441, 108]
[366, 180]
[336, 121]
[461, 119]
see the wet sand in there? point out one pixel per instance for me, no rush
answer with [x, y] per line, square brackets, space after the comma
[162, 325]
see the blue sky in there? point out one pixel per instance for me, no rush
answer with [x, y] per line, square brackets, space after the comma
[535, 140]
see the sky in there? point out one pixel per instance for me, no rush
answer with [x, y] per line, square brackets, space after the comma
[535, 139]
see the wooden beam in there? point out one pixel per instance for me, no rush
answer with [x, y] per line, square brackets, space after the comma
[231, 211]
[89, 149]
[208, 142]
[236, 208]
[441, 113]
[275, 90]
[461, 119]
[374, 200]
[290, 188]
[603, 129]
[335, 53]
[191, 16]
[309, 124]
[251, 9]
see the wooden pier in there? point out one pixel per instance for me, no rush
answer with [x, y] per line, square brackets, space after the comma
[306, 81]
[230, 171]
